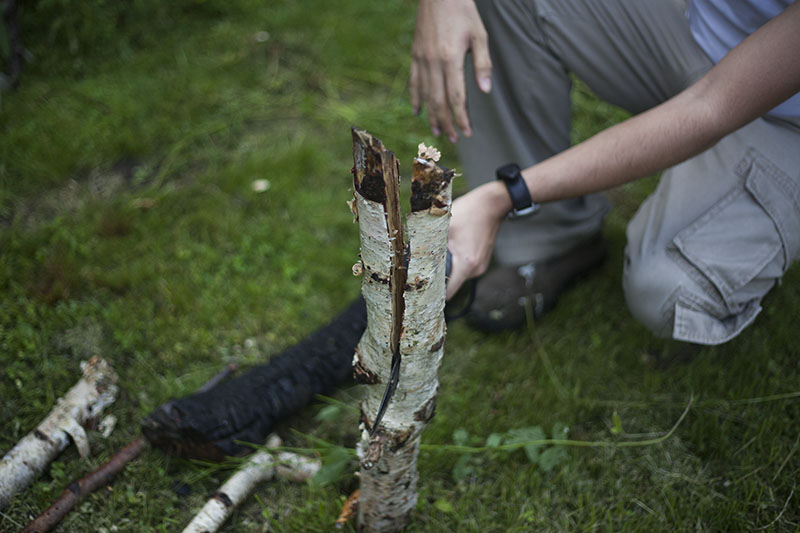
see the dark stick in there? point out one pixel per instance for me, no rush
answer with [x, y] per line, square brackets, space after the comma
[218, 378]
[77, 490]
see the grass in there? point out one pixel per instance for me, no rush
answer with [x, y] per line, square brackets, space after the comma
[128, 227]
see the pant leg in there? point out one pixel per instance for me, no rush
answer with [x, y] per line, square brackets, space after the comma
[635, 53]
[716, 235]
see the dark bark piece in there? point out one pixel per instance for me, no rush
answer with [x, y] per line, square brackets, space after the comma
[368, 168]
[246, 408]
[427, 185]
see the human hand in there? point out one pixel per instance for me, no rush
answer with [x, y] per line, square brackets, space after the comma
[476, 217]
[445, 31]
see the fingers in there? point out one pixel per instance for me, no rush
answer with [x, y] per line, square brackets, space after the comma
[445, 31]
[438, 109]
[453, 284]
[482, 62]
[463, 269]
[413, 82]
[456, 96]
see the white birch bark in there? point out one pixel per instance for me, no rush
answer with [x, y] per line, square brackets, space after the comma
[84, 401]
[262, 466]
[388, 466]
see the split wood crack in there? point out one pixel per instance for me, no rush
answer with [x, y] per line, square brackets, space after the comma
[399, 354]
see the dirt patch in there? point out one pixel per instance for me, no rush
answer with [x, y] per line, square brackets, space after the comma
[97, 184]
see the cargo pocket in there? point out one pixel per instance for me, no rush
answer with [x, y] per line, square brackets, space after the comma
[748, 230]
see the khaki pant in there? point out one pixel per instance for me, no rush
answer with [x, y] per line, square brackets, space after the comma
[721, 228]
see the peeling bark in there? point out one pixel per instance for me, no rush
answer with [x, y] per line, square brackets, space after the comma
[348, 510]
[103, 475]
[83, 402]
[262, 466]
[405, 324]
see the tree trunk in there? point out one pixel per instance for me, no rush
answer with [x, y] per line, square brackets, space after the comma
[404, 288]
[84, 401]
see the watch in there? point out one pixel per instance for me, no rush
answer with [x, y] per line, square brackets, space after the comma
[511, 175]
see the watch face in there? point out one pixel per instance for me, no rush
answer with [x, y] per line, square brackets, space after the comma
[508, 172]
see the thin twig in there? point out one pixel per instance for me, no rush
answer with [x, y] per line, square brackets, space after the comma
[785, 505]
[791, 453]
[218, 378]
[77, 490]
[561, 391]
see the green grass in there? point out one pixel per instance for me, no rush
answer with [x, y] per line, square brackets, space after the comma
[128, 228]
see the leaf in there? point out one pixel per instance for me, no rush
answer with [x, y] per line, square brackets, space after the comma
[494, 440]
[552, 457]
[463, 469]
[560, 431]
[328, 413]
[334, 462]
[461, 437]
[444, 506]
[616, 429]
[521, 435]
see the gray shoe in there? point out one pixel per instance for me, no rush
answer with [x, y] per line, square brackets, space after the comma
[503, 293]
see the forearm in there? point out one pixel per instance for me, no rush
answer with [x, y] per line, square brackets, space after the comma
[640, 146]
[753, 78]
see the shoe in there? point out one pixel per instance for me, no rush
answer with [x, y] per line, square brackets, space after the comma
[503, 294]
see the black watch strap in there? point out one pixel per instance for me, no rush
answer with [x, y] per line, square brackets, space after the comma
[511, 175]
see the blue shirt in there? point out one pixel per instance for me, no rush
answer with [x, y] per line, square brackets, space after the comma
[719, 25]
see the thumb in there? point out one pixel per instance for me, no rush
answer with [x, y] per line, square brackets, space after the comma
[482, 62]
[457, 278]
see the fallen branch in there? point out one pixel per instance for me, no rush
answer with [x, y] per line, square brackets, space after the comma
[102, 476]
[261, 466]
[83, 402]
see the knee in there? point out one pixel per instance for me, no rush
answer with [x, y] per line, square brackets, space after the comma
[650, 284]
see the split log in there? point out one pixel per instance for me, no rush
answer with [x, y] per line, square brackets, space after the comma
[246, 408]
[261, 466]
[84, 401]
[405, 323]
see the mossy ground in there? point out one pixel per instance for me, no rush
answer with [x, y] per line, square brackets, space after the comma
[129, 228]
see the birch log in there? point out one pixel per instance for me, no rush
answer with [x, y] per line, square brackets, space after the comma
[84, 401]
[261, 466]
[388, 458]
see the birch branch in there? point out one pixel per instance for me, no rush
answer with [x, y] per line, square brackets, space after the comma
[389, 452]
[84, 401]
[261, 466]
[77, 490]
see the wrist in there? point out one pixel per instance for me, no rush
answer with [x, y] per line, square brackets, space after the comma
[497, 200]
[522, 204]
